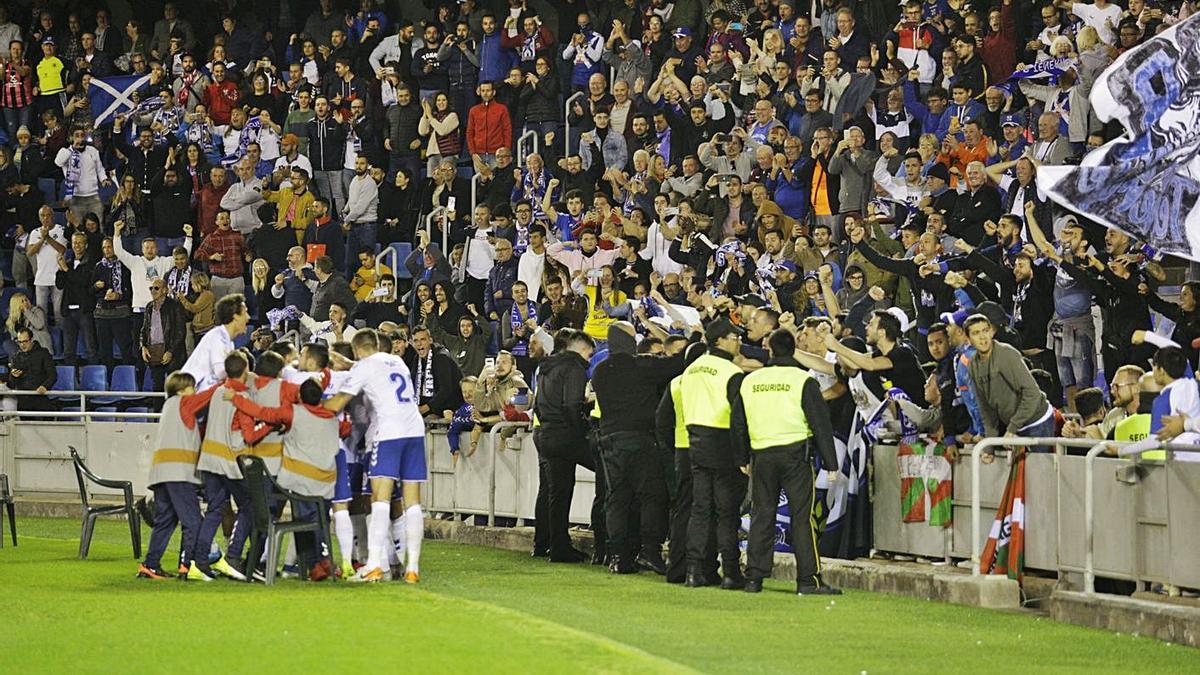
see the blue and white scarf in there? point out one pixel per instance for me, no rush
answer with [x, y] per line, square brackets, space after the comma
[115, 274]
[74, 169]
[515, 320]
[249, 135]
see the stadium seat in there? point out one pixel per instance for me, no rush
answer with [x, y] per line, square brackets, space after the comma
[124, 378]
[49, 189]
[65, 382]
[107, 409]
[403, 249]
[93, 378]
[6, 499]
[90, 513]
[261, 487]
[138, 420]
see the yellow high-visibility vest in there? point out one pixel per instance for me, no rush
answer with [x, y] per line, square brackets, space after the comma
[705, 392]
[681, 434]
[1137, 428]
[773, 398]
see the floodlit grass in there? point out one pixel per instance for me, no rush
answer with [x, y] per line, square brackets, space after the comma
[482, 610]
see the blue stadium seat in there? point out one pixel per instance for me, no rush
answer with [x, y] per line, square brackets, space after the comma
[493, 347]
[93, 378]
[107, 409]
[49, 189]
[65, 382]
[403, 249]
[137, 409]
[124, 378]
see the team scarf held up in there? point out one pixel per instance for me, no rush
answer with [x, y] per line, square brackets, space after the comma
[74, 169]
[114, 269]
[521, 348]
[249, 134]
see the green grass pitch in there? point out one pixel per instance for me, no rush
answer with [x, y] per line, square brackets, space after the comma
[499, 611]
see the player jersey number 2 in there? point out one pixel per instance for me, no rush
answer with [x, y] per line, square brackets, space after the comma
[400, 379]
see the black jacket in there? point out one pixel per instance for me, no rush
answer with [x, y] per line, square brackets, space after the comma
[334, 289]
[37, 369]
[401, 129]
[627, 388]
[174, 327]
[540, 101]
[447, 394]
[559, 403]
[326, 144]
[76, 285]
[813, 407]
[172, 207]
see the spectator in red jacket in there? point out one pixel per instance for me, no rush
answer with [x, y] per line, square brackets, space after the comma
[1000, 43]
[489, 127]
[222, 96]
[210, 199]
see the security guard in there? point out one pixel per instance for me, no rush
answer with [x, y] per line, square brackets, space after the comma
[672, 433]
[637, 506]
[778, 417]
[708, 388]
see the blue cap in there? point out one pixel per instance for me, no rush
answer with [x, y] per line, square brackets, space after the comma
[1010, 120]
[682, 31]
[789, 266]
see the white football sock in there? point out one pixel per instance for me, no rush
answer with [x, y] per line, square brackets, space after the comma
[359, 522]
[415, 526]
[399, 538]
[289, 556]
[377, 535]
[344, 529]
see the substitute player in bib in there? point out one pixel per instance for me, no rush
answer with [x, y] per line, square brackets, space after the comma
[385, 383]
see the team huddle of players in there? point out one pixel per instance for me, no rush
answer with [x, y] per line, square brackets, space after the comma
[347, 413]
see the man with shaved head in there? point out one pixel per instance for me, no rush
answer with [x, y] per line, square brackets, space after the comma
[628, 386]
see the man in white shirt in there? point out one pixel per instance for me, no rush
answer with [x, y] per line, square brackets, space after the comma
[243, 198]
[398, 435]
[43, 248]
[146, 268]
[1102, 15]
[532, 263]
[659, 236]
[289, 158]
[207, 361]
[83, 174]
[361, 212]
[480, 255]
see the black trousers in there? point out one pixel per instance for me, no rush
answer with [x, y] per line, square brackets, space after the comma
[790, 470]
[636, 485]
[717, 494]
[541, 508]
[563, 450]
[681, 515]
[600, 534]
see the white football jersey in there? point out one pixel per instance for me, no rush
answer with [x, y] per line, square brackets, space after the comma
[384, 381]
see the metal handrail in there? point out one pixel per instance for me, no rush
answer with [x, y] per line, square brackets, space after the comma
[492, 437]
[474, 192]
[567, 122]
[85, 393]
[977, 453]
[521, 154]
[439, 211]
[387, 252]
[1089, 496]
[74, 416]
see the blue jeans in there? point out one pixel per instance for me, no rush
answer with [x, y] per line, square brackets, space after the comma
[361, 236]
[15, 118]
[1044, 429]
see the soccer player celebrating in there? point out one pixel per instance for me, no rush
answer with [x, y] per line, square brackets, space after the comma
[399, 441]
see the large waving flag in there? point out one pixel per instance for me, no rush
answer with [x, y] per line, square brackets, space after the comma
[112, 96]
[1147, 182]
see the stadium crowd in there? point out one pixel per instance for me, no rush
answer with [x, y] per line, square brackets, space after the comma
[697, 175]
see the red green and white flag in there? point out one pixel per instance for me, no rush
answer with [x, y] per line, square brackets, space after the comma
[1005, 549]
[926, 485]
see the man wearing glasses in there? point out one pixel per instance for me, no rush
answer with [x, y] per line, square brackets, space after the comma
[161, 338]
[31, 369]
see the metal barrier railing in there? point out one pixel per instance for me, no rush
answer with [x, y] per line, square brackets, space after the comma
[474, 193]
[567, 122]
[108, 397]
[494, 438]
[530, 135]
[387, 253]
[439, 211]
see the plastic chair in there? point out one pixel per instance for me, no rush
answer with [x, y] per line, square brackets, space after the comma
[65, 382]
[6, 499]
[260, 485]
[403, 250]
[107, 409]
[137, 409]
[90, 513]
[93, 378]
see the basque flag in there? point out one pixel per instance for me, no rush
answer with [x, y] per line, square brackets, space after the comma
[114, 96]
